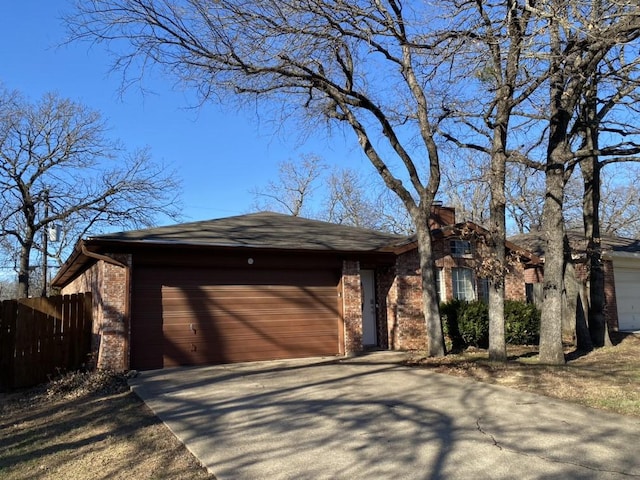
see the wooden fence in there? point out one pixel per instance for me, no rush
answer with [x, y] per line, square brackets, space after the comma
[40, 337]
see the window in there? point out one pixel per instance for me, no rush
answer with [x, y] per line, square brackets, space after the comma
[439, 290]
[460, 248]
[462, 280]
[483, 289]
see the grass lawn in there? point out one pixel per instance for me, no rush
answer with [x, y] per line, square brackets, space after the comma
[607, 378]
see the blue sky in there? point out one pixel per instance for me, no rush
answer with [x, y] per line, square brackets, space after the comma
[220, 153]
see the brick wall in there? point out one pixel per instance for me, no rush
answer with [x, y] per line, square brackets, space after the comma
[514, 283]
[441, 216]
[109, 285]
[406, 329]
[352, 306]
[533, 275]
[405, 322]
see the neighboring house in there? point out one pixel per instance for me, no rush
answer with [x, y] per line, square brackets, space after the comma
[621, 263]
[266, 286]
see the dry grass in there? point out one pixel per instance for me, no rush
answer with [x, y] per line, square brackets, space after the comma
[608, 378]
[88, 427]
[92, 427]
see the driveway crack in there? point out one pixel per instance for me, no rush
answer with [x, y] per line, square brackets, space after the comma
[549, 459]
[493, 439]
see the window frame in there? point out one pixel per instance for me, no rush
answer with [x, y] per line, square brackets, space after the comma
[460, 248]
[469, 284]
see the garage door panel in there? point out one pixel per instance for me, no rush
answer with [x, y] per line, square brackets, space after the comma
[266, 315]
[199, 278]
[200, 352]
[246, 311]
[627, 282]
[254, 318]
[241, 344]
[230, 327]
[178, 298]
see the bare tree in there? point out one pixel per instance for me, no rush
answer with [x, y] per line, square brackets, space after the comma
[580, 34]
[620, 202]
[605, 137]
[355, 199]
[525, 198]
[7, 290]
[341, 195]
[394, 217]
[347, 200]
[527, 45]
[362, 65]
[491, 40]
[58, 166]
[465, 186]
[293, 191]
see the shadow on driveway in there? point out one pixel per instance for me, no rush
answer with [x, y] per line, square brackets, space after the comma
[372, 418]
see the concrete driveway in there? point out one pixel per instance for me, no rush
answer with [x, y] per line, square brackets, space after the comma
[371, 418]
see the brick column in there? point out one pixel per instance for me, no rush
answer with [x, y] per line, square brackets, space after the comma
[113, 327]
[352, 306]
[406, 327]
[109, 284]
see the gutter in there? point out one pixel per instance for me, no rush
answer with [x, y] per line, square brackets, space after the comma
[81, 254]
[86, 252]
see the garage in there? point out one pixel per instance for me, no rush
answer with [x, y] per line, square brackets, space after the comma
[196, 316]
[627, 284]
[260, 286]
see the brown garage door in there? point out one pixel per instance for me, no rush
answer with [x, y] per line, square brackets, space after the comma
[187, 316]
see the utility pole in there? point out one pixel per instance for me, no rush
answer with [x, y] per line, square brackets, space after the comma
[45, 245]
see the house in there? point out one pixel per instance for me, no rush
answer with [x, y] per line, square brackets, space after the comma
[264, 286]
[621, 264]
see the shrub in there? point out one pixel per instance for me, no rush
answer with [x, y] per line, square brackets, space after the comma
[522, 323]
[467, 323]
[473, 323]
[449, 314]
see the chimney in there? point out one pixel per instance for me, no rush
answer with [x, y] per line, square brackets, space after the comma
[441, 216]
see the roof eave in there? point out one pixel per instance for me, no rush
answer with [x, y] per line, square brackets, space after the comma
[76, 261]
[86, 252]
[613, 254]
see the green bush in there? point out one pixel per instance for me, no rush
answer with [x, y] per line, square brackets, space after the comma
[467, 323]
[522, 323]
[449, 315]
[473, 323]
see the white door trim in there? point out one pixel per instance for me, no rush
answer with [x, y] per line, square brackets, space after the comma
[368, 288]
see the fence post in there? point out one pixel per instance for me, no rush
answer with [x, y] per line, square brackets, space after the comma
[8, 317]
[87, 327]
[66, 330]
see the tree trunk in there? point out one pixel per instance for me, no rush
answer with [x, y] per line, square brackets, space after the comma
[435, 335]
[23, 272]
[590, 168]
[551, 351]
[571, 294]
[558, 153]
[497, 343]
[583, 338]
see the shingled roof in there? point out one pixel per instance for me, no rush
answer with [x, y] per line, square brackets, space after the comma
[612, 245]
[260, 230]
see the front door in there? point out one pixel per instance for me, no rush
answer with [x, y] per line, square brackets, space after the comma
[369, 337]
